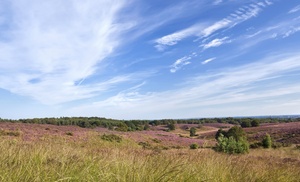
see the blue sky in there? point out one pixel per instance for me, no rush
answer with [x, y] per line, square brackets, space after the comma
[141, 59]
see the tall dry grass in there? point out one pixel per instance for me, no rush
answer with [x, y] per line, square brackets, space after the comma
[59, 159]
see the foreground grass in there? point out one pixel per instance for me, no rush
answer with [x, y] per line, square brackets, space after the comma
[59, 159]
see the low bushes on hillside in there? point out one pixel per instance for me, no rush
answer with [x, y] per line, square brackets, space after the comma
[112, 138]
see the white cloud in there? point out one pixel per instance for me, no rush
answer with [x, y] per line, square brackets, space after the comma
[295, 9]
[174, 38]
[216, 2]
[200, 30]
[238, 17]
[201, 96]
[216, 43]
[46, 53]
[281, 29]
[208, 60]
[179, 63]
[216, 26]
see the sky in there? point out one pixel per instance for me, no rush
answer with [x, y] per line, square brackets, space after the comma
[141, 59]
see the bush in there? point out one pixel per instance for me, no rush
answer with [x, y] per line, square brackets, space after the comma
[232, 146]
[194, 146]
[232, 142]
[236, 132]
[219, 132]
[10, 133]
[193, 131]
[267, 141]
[246, 124]
[69, 133]
[171, 126]
[255, 123]
[111, 138]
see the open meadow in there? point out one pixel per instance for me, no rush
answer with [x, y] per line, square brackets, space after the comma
[42, 152]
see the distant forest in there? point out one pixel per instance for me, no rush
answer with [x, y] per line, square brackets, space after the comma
[133, 125]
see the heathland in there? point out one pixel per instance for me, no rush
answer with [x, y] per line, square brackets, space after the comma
[166, 150]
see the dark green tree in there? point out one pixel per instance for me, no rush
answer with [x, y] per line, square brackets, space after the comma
[219, 132]
[171, 126]
[236, 132]
[246, 124]
[192, 131]
[267, 141]
[255, 123]
[232, 142]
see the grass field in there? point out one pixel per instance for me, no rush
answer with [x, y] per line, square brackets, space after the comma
[77, 154]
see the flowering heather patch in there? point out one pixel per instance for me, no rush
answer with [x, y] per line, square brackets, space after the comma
[32, 132]
[280, 132]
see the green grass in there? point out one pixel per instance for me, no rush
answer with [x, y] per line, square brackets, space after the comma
[59, 159]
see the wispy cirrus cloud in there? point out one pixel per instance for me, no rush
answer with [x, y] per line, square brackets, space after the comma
[173, 39]
[204, 93]
[283, 28]
[202, 30]
[47, 54]
[208, 60]
[216, 2]
[242, 14]
[295, 9]
[216, 43]
[179, 63]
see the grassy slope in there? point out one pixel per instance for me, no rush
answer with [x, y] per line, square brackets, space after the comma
[60, 158]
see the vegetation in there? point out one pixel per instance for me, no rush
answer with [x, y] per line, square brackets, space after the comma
[111, 138]
[95, 159]
[171, 126]
[134, 125]
[194, 146]
[192, 131]
[232, 142]
[267, 141]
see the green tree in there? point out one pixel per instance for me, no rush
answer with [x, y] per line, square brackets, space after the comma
[246, 124]
[232, 142]
[267, 141]
[219, 132]
[255, 123]
[171, 126]
[236, 132]
[192, 131]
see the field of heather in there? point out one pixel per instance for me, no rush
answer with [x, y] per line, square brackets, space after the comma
[40, 152]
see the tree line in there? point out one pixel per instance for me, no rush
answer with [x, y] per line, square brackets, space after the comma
[133, 125]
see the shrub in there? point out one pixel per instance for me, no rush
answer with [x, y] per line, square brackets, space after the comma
[255, 123]
[246, 124]
[219, 132]
[194, 146]
[10, 133]
[156, 140]
[267, 141]
[69, 133]
[193, 131]
[232, 142]
[111, 138]
[236, 132]
[232, 146]
[171, 126]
